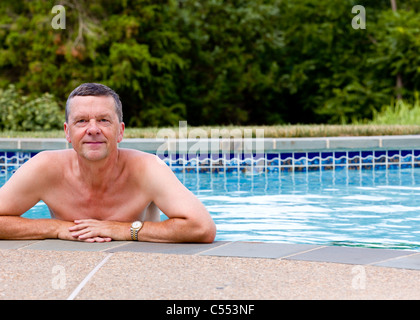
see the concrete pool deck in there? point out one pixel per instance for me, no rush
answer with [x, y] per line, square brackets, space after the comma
[223, 270]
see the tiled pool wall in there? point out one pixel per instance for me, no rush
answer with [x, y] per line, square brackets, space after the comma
[256, 155]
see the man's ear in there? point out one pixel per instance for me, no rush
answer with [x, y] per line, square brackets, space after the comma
[121, 132]
[66, 131]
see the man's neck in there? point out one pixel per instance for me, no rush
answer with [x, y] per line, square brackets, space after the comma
[97, 175]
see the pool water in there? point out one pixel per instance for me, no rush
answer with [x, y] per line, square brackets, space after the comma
[368, 208]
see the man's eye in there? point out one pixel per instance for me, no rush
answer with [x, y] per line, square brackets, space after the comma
[81, 121]
[104, 120]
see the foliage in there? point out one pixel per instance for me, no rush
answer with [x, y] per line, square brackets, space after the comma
[217, 62]
[399, 112]
[20, 113]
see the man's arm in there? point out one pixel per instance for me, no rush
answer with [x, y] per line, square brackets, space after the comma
[189, 220]
[20, 193]
[18, 228]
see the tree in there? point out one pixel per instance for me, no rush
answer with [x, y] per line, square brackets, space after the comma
[217, 62]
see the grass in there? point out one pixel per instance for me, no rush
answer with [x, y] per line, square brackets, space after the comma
[276, 131]
[399, 112]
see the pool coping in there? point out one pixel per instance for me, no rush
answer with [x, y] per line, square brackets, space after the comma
[397, 142]
[391, 258]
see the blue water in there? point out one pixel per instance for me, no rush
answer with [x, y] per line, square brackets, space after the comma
[354, 208]
[368, 208]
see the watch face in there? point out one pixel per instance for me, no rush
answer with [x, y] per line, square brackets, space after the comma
[136, 224]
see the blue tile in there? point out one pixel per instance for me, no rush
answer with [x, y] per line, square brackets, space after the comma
[367, 154]
[406, 152]
[340, 158]
[299, 155]
[313, 155]
[271, 156]
[327, 158]
[287, 161]
[285, 156]
[393, 156]
[273, 163]
[380, 156]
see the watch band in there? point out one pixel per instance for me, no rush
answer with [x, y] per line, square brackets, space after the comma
[134, 231]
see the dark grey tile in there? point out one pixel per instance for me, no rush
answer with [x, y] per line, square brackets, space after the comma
[43, 144]
[349, 255]
[64, 245]
[15, 244]
[408, 262]
[258, 250]
[298, 144]
[398, 142]
[359, 143]
[9, 144]
[172, 248]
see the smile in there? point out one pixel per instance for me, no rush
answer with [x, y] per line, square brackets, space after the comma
[93, 143]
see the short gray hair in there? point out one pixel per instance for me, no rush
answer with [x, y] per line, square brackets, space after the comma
[95, 89]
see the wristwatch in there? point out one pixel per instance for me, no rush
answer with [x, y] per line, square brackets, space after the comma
[134, 230]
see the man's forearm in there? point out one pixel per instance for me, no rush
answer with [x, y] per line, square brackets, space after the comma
[177, 230]
[18, 228]
[171, 230]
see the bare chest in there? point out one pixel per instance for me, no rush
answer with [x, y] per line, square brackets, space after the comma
[118, 202]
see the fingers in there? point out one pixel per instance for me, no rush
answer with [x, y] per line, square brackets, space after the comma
[88, 230]
[97, 239]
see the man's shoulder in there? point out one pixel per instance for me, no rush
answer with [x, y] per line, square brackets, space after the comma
[46, 166]
[52, 156]
[49, 160]
[132, 155]
[141, 160]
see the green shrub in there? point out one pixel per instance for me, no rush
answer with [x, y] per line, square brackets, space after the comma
[20, 113]
[401, 112]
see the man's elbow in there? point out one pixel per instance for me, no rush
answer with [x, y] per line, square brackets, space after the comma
[207, 232]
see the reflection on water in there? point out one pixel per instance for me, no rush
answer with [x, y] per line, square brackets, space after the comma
[355, 208]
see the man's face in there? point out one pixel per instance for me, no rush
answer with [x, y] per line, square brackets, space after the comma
[93, 127]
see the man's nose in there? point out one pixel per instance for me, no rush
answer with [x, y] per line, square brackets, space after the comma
[93, 127]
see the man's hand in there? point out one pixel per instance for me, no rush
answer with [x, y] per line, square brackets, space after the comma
[91, 230]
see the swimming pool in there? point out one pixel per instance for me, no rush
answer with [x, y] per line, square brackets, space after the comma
[367, 208]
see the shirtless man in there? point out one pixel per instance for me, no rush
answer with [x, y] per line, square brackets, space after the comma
[99, 192]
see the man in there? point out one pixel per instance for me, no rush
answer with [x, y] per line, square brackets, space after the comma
[99, 192]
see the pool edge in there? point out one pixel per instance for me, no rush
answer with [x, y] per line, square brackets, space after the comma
[391, 258]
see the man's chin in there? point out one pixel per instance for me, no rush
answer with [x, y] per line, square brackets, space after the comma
[94, 155]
